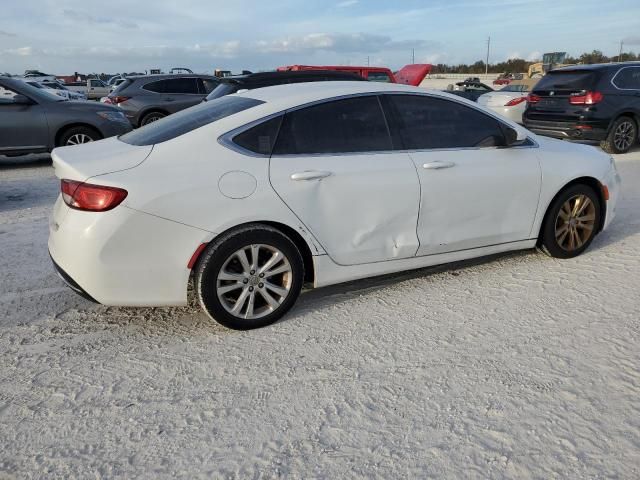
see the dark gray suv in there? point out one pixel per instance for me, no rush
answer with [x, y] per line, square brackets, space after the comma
[35, 121]
[148, 98]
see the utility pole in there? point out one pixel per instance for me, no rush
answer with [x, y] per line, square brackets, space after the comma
[413, 55]
[367, 60]
[620, 55]
[486, 67]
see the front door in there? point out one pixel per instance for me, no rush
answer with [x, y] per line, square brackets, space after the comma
[475, 191]
[23, 127]
[334, 166]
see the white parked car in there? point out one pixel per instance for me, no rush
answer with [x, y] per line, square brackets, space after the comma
[511, 100]
[55, 88]
[258, 193]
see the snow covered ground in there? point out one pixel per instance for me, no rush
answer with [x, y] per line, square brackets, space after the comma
[519, 366]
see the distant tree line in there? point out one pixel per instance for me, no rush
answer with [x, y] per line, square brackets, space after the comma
[521, 65]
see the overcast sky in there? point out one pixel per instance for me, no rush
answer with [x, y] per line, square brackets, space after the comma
[63, 36]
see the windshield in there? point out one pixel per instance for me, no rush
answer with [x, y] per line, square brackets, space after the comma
[221, 90]
[574, 80]
[121, 86]
[187, 120]
[515, 88]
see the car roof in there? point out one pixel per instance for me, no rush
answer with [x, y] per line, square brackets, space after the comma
[293, 94]
[597, 66]
[288, 74]
[163, 76]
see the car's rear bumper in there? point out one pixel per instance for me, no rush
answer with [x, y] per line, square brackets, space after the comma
[71, 283]
[123, 257]
[584, 130]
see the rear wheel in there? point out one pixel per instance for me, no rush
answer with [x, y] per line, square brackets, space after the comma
[623, 134]
[250, 277]
[572, 222]
[151, 117]
[78, 136]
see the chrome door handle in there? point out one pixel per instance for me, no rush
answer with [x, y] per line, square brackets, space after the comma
[310, 175]
[438, 165]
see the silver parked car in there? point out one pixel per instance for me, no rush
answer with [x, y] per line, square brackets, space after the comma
[145, 99]
[35, 121]
[511, 100]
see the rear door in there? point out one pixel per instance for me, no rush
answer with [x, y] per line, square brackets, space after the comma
[334, 166]
[627, 81]
[180, 93]
[475, 192]
[23, 128]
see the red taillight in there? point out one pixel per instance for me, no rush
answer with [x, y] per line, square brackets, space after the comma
[515, 101]
[589, 98]
[92, 198]
[117, 99]
[531, 98]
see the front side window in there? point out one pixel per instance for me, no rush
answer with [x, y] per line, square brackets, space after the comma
[340, 126]
[379, 77]
[181, 85]
[187, 120]
[628, 78]
[424, 122]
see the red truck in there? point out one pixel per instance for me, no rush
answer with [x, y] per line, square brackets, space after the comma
[408, 75]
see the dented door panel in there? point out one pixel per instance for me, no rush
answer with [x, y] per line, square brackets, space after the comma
[362, 208]
[481, 197]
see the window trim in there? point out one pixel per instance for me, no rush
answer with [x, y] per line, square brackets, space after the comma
[226, 139]
[617, 73]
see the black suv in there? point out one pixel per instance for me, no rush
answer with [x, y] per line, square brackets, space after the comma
[229, 85]
[588, 102]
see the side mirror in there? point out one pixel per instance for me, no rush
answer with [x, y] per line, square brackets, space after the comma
[514, 137]
[22, 100]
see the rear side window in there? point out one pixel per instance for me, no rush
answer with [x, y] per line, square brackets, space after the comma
[425, 122]
[341, 126]
[628, 78]
[208, 85]
[261, 138]
[121, 86]
[158, 86]
[572, 80]
[379, 77]
[187, 120]
[221, 90]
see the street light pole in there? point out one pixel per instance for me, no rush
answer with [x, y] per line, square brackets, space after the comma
[620, 54]
[486, 66]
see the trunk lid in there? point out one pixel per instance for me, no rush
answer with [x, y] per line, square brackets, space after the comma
[555, 88]
[413, 74]
[81, 162]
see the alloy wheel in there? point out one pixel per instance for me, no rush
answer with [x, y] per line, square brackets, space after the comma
[624, 135]
[575, 222]
[254, 281]
[78, 139]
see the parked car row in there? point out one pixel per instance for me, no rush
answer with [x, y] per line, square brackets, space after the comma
[589, 102]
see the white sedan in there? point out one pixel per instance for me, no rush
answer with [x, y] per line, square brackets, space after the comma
[510, 101]
[256, 194]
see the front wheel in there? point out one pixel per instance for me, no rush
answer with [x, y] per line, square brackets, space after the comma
[572, 222]
[250, 277]
[78, 136]
[622, 136]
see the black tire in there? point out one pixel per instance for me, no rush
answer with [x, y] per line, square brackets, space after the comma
[151, 117]
[622, 135]
[73, 135]
[552, 241]
[220, 253]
